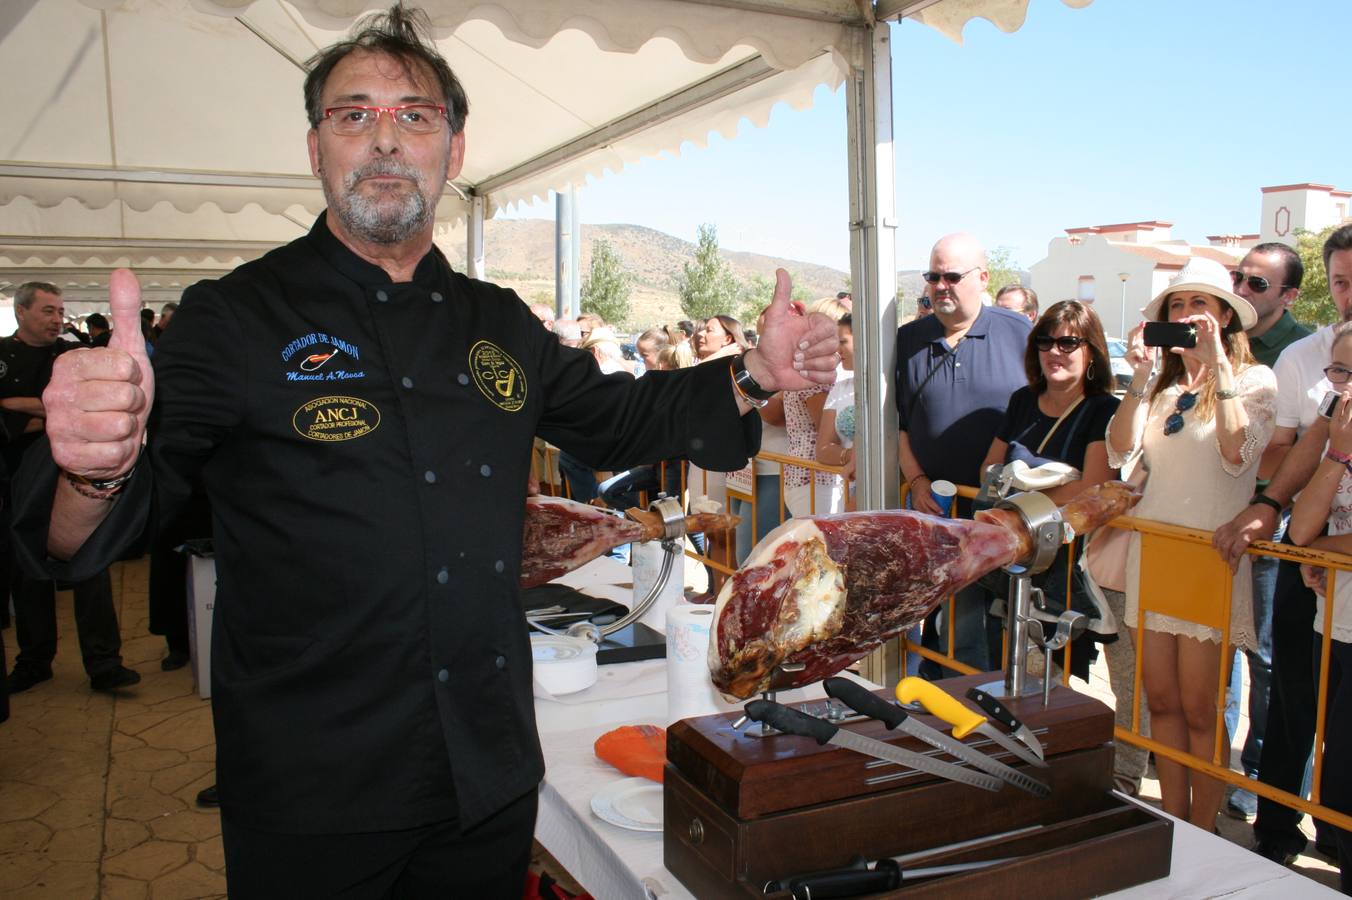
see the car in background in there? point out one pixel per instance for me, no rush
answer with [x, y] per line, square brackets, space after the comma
[1117, 356]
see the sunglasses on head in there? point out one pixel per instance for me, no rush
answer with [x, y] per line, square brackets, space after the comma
[1066, 343]
[948, 277]
[1257, 283]
[1174, 424]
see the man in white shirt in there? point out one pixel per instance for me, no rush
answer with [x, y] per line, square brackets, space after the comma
[1290, 461]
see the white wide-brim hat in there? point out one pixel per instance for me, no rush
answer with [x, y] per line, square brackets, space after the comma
[1205, 276]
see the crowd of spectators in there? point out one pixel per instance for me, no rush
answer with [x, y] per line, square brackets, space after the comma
[986, 381]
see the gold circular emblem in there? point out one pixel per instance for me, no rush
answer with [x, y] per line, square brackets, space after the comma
[335, 419]
[499, 377]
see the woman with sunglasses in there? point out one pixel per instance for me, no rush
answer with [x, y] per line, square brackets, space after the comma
[1062, 416]
[1327, 501]
[1197, 418]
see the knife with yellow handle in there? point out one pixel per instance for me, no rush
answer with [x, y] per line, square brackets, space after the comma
[964, 721]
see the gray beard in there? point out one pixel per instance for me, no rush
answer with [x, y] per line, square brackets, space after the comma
[387, 217]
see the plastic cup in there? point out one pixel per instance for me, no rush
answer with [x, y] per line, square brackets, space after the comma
[943, 493]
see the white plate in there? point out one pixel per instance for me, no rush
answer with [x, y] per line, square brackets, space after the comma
[634, 803]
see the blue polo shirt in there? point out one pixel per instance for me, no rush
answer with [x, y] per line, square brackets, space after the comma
[966, 389]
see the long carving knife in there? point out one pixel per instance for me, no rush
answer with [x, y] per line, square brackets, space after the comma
[862, 700]
[859, 878]
[1000, 713]
[963, 720]
[792, 721]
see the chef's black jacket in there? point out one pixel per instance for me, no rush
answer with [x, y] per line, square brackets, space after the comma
[365, 446]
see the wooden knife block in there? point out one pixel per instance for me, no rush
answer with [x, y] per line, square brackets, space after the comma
[741, 810]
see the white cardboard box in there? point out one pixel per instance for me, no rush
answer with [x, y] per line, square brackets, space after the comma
[201, 602]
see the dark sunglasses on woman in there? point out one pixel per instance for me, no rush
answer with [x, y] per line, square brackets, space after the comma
[1066, 343]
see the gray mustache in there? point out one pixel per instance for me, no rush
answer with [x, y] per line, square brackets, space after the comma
[379, 167]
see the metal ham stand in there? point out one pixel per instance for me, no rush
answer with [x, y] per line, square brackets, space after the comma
[1025, 610]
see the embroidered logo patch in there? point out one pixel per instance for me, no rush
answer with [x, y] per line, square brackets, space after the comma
[309, 354]
[336, 419]
[499, 377]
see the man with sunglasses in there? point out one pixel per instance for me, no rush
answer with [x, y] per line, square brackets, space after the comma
[1269, 277]
[1290, 460]
[361, 417]
[956, 370]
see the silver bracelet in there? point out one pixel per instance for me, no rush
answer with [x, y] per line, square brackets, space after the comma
[1135, 394]
[1228, 394]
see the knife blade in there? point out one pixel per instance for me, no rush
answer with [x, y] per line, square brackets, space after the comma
[862, 700]
[859, 879]
[792, 721]
[1001, 713]
[963, 720]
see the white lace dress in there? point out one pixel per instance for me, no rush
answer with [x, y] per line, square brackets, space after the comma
[1191, 484]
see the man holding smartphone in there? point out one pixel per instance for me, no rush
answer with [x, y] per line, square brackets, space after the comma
[1290, 460]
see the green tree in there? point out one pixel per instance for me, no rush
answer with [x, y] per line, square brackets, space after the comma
[1314, 306]
[1002, 268]
[605, 290]
[756, 292]
[706, 284]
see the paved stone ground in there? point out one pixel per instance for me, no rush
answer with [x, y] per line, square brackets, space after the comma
[97, 791]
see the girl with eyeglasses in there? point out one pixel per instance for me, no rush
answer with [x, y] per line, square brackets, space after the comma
[1197, 419]
[1327, 500]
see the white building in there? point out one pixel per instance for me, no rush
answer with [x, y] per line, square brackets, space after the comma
[1120, 267]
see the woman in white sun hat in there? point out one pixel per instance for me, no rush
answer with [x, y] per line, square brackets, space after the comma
[1198, 419]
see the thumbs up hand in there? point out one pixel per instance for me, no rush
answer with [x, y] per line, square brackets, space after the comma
[98, 399]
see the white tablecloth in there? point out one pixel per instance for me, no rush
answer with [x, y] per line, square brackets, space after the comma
[616, 864]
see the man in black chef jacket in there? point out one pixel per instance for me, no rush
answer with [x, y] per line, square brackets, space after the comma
[362, 417]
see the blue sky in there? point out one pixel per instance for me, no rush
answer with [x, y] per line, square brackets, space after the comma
[1177, 110]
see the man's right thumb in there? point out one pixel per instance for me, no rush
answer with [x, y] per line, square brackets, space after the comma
[124, 302]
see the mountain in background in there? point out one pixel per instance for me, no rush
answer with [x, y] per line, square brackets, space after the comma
[520, 255]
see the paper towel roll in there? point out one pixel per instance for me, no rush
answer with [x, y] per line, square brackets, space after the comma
[690, 692]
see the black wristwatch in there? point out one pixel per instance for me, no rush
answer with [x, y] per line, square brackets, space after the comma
[748, 385]
[1264, 499]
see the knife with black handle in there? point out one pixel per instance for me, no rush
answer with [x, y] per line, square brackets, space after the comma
[791, 721]
[1001, 713]
[857, 880]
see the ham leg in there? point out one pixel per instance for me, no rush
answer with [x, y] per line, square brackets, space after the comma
[824, 591]
[561, 535]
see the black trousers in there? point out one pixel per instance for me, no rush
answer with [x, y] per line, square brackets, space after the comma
[1291, 710]
[432, 862]
[95, 623]
[1336, 785]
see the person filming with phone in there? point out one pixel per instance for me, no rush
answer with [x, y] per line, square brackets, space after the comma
[1326, 504]
[1198, 413]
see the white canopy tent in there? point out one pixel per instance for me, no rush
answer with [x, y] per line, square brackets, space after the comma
[167, 135]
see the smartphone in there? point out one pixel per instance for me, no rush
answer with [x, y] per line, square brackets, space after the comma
[1328, 404]
[1170, 334]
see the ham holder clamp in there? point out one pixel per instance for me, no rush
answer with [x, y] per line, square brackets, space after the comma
[561, 535]
[745, 816]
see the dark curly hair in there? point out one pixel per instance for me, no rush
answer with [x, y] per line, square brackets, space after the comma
[405, 35]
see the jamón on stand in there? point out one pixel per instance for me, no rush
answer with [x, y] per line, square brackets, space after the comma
[561, 535]
[825, 591]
